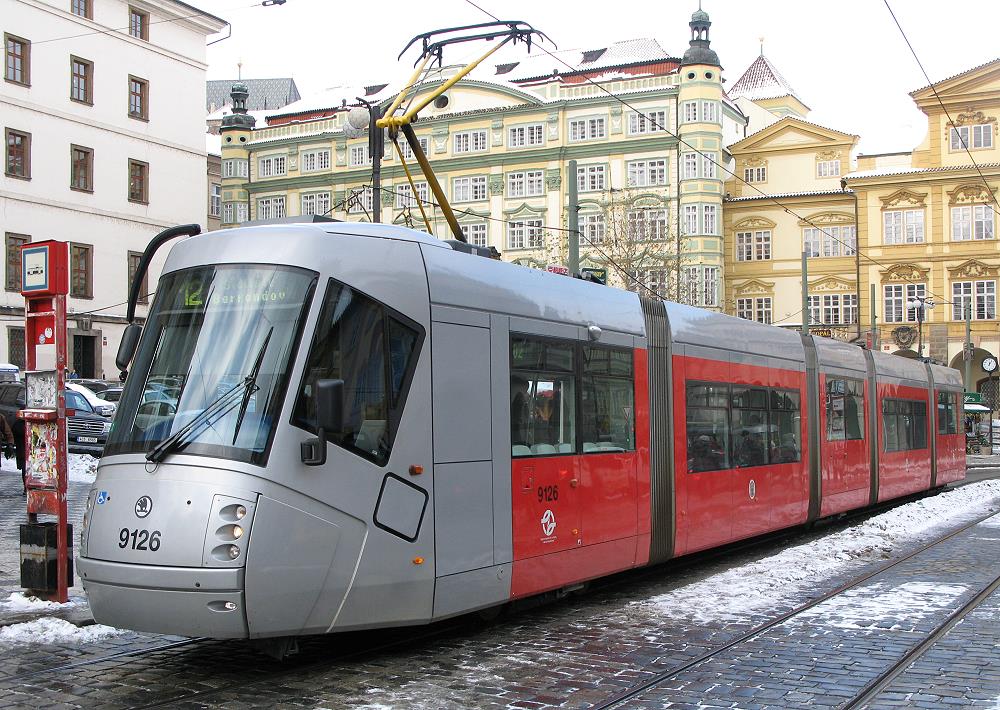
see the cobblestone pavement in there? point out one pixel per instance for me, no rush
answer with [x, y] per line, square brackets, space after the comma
[571, 654]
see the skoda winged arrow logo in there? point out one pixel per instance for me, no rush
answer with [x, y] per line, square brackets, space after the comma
[143, 507]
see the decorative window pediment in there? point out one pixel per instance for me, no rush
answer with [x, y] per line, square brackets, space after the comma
[972, 269]
[754, 223]
[753, 161]
[905, 272]
[524, 210]
[832, 283]
[828, 155]
[828, 218]
[903, 198]
[971, 193]
[973, 118]
[755, 286]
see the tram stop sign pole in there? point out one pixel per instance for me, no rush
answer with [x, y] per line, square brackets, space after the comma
[46, 547]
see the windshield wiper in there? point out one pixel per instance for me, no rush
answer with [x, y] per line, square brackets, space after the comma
[252, 387]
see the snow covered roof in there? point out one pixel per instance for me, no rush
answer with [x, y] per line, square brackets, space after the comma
[221, 113]
[878, 172]
[541, 64]
[761, 80]
[264, 93]
[808, 193]
[955, 76]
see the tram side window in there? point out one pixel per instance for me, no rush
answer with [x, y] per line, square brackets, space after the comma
[845, 409]
[707, 426]
[947, 422]
[543, 397]
[786, 426]
[751, 430]
[607, 422]
[374, 352]
[904, 424]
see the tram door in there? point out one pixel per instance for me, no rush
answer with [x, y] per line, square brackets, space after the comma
[844, 459]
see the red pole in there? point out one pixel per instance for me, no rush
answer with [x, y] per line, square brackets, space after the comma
[62, 551]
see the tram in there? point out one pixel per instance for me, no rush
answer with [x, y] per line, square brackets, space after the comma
[375, 427]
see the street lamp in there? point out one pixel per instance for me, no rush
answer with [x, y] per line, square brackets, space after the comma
[919, 304]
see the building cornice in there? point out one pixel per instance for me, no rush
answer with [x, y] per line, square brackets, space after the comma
[72, 207]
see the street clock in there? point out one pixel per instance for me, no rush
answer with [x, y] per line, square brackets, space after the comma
[989, 364]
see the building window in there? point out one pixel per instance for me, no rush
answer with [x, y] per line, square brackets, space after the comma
[708, 163]
[138, 181]
[81, 80]
[646, 225]
[710, 111]
[138, 23]
[315, 203]
[896, 298]
[475, 233]
[314, 160]
[524, 136]
[404, 148]
[469, 189]
[829, 241]
[815, 309]
[82, 8]
[972, 222]
[592, 228]
[81, 168]
[524, 234]
[138, 98]
[134, 257]
[903, 226]
[702, 284]
[753, 246]
[405, 198]
[360, 200]
[234, 212]
[849, 308]
[359, 155]
[828, 168]
[470, 142]
[271, 207]
[711, 222]
[18, 160]
[18, 62]
[644, 173]
[690, 109]
[529, 183]
[81, 271]
[271, 166]
[690, 219]
[234, 167]
[656, 280]
[980, 136]
[831, 309]
[758, 174]
[15, 346]
[639, 123]
[689, 164]
[980, 296]
[587, 129]
[215, 200]
[591, 178]
[14, 242]
[756, 309]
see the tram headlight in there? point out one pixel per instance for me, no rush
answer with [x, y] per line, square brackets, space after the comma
[241, 512]
[237, 532]
[234, 552]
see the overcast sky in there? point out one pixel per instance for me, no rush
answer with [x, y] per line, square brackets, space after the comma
[846, 60]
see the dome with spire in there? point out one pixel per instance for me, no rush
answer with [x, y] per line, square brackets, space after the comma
[700, 51]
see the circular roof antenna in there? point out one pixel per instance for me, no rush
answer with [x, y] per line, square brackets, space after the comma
[359, 118]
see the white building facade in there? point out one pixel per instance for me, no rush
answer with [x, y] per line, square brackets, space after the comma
[101, 105]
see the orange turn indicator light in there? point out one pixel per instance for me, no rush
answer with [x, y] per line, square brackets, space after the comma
[418, 560]
[416, 470]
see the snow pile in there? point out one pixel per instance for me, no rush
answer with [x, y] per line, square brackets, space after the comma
[874, 605]
[18, 603]
[49, 630]
[762, 585]
[82, 467]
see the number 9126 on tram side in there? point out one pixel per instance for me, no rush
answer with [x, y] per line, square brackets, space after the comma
[341, 426]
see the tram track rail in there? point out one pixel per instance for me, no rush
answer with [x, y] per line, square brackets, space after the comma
[873, 688]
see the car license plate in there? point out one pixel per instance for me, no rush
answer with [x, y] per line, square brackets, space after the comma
[87, 439]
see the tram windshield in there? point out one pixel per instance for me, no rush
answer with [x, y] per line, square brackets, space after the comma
[216, 353]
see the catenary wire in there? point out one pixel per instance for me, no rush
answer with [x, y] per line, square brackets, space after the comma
[938, 299]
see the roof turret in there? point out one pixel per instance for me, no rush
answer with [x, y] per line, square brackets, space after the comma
[700, 51]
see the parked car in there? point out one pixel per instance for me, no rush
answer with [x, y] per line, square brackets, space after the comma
[100, 406]
[87, 431]
[111, 394]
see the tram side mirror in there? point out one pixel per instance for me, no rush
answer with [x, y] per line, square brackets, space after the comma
[329, 418]
[128, 345]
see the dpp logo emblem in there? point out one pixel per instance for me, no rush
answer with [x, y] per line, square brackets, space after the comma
[548, 523]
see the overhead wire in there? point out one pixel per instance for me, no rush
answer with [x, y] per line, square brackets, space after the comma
[705, 156]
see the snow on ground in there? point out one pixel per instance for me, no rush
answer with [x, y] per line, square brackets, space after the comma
[762, 585]
[48, 630]
[82, 467]
[874, 605]
[18, 603]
